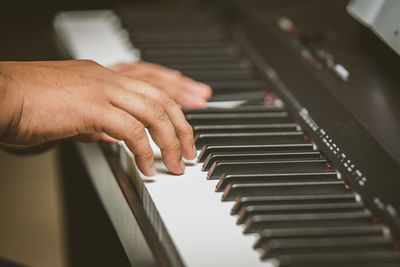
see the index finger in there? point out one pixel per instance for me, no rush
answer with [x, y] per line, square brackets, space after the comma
[153, 116]
[183, 130]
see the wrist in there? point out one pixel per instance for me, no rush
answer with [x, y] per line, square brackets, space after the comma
[3, 100]
[7, 101]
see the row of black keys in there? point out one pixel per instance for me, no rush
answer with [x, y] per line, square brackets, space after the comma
[285, 190]
[194, 43]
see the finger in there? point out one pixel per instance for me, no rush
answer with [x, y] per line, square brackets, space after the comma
[155, 68]
[176, 88]
[197, 88]
[122, 67]
[187, 100]
[108, 139]
[122, 126]
[176, 84]
[171, 81]
[155, 118]
[140, 68]
[183, 130]
[167, 76]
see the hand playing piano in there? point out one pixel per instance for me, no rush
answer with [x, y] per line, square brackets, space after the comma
[185, 91]
[42, 102]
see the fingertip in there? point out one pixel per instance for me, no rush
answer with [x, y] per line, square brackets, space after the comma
[182, 164]
[191, 101]
[177, 170]
[204, 89]
[149, 170]
[190, 153]
[197, 103]
[152, 171]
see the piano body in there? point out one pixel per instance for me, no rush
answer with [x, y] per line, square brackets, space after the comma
[299, 150]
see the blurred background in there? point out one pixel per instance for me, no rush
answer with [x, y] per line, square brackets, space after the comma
[49, 213]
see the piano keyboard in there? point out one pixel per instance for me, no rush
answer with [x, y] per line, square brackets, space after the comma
[190, 39]
[260, 185]
[286, 192]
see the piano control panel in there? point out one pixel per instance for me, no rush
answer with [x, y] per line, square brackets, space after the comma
[309, 46]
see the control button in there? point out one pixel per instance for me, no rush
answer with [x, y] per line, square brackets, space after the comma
[285, 24]
[341, 72]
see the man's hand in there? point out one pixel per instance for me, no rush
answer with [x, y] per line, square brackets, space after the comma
[185, 91]
[42, 102]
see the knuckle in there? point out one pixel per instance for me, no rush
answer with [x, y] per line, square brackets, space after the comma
[187, 130]
[146, 154]
[136, 131]
[168, 100]
[159, 112]
[176, 146]
[165, 99]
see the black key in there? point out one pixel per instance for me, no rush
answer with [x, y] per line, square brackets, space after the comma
[188, 66]
[260, 222]
[213, 157]
[237, 85]
[244, 109]
[199, 45]
[237, 66]
[252, 138]
[267, 166]
[227, 178]
[207, 149]
[137, 32]
[243, 95]
[165, 38]
[233, 191]
[243, 202]
[364, 244]
[344, 258]
[298, 209]
[189, 52]
[237, 118]
[243, 128]
[215, 75]
[203, 30]
[205, 60]
[345, 231]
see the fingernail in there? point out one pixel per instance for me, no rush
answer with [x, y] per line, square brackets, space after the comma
[194, 151]
[182, 165]
[152, 171]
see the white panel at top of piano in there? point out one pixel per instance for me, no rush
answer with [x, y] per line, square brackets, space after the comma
[184, 208]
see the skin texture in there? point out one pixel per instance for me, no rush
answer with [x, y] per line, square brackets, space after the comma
[42, 102]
